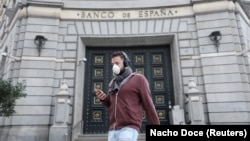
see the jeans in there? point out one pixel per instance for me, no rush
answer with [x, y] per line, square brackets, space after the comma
[124, 134]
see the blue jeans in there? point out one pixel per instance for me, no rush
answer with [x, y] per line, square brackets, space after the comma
[124, 134]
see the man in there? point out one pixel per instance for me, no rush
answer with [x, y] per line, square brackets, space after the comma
[128, 95]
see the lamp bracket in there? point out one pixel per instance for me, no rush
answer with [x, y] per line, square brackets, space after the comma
[40, 41]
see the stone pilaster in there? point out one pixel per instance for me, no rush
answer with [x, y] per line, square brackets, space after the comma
[60, 129]
[195, 110]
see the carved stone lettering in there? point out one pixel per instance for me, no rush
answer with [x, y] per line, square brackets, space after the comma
[128, 14]
[97, 15]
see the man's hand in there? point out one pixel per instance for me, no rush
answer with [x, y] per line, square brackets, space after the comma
[100, 94]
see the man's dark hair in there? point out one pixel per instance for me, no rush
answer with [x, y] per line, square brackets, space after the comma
[118, 53]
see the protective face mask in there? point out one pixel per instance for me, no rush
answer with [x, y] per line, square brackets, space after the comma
[116, 69]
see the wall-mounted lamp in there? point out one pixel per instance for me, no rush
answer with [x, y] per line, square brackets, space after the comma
[81, 60]
[215, 37]
[39, 41]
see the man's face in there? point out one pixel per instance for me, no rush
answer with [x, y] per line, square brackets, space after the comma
[118, 61]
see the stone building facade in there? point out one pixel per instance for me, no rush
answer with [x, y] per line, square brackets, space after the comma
[77, 32]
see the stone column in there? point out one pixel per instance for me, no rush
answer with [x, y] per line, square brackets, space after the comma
[59, 129]
[194, 105]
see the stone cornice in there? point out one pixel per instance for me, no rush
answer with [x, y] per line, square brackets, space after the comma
[39, 10]
[123, 4]
[51, 12]
[198, 8]
[240, 10]
[212, 7]
[57, 11]
[128, 14]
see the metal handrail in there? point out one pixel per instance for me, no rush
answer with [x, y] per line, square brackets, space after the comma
[72, 131]
[79, 123]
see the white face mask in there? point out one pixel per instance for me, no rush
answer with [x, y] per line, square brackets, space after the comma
[116, 69]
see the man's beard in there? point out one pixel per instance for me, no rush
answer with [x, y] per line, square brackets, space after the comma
[122, 71]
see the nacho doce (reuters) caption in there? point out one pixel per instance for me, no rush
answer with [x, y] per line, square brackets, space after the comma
[197, 132]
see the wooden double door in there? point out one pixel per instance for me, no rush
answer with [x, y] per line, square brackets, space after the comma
[152, 61]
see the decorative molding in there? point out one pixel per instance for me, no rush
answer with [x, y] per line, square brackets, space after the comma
[19, 14]
[47, 59]
[124, 14]
[45, 3]
[217, 6]
[49, 12]
[233, 53]
[190, 57]
[242, 12]
[122, 4]
[218, 54]
[211, 7]
[127, 13]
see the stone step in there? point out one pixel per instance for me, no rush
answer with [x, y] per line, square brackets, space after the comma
[102, 137]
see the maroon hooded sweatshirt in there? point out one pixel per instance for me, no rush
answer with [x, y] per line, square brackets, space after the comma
[127, 105]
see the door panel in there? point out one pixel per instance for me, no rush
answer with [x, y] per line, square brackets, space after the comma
[154, 62]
